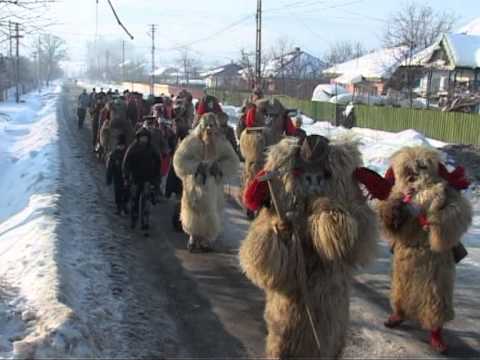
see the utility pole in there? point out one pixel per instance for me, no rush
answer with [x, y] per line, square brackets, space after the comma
[17, 37]
[152, 81]
[258, 50]
[10, 37]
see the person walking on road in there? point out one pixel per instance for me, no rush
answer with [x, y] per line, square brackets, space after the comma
[115, 175]
[82, 106]
[203, 161]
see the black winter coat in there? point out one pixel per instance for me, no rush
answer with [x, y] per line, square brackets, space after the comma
[114, 167]
[142, 162]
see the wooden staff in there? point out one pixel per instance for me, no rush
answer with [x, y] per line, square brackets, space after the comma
[301, 257]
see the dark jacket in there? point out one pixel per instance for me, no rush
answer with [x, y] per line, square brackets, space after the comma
[142, 161]
[114, 167]
[300, 134]
[132, 113]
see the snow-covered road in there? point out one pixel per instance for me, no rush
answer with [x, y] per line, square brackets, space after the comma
[75, 281]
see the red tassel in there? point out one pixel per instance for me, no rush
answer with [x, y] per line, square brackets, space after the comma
[378, 187]
[290, 129]
[256, 193]
[423, 221]
[250, 117]
[456, 178]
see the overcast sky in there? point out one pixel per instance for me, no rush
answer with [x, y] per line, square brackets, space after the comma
[217, 29]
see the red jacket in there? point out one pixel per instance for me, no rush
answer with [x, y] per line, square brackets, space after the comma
[203, 108]
[288, 127]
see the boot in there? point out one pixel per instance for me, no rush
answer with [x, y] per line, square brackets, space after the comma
[436, 341]
[191, 244]
[393, 321]
[204, 245]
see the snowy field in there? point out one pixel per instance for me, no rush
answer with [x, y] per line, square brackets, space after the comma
[30, 306]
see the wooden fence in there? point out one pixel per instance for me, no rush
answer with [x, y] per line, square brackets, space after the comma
[450, 127]
[446, 126]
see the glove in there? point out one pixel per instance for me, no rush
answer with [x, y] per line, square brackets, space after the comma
[202, 172]
[395, 214]
[281, 227]
[215, 170]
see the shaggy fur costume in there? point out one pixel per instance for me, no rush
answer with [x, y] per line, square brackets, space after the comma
[118, 124]
[253, 144]
[252, 147]
[423, 263]
[338, 231]
[202, 200]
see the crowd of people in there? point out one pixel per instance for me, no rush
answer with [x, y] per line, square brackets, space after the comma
[307, 196]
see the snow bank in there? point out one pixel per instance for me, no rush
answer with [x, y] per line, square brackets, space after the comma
[38, 325]
[376, 146]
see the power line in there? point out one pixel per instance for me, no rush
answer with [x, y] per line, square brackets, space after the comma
[118, 20]
[211, 36]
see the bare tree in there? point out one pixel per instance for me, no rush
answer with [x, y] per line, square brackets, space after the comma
[342, 51]
[247, 62]
[188, 64]
[52, 50]
[413, 28]
[32, 15]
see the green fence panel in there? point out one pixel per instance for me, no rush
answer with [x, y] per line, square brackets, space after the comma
[446, 126]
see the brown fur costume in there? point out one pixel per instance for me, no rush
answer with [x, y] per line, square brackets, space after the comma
[202, 199]
[423, 263]
[338, 231]
[184, 113]
[254, 143]
[117, 125]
